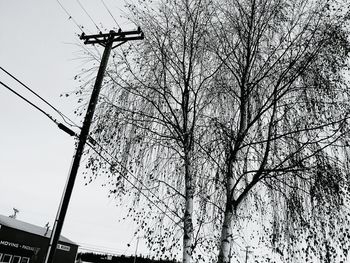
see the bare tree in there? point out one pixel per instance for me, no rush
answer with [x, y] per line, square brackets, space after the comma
[281, 103]
[150, 118]
[223, 105]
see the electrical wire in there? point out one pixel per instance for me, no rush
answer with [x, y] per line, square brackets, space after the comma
[64, 117]
[83, 244]
[32, 104]
[97, 248]
[69, 16]
[60, 125]
[134, 186]
[82, 7]
[104, 4]
[135, 177]
[102, 251]
[91, 146]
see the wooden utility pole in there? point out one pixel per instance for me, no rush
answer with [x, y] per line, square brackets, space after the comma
[137, 245]
[105, 40]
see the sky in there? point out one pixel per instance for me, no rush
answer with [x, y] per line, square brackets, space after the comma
[39, 45]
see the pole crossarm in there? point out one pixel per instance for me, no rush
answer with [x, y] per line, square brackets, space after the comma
[116, 36]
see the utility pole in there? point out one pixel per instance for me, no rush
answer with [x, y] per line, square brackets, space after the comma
[106, 40]
[137, 245]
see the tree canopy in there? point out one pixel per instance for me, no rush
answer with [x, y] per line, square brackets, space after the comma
[231, 112]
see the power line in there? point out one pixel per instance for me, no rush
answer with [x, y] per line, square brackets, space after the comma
[97, 39]
[135, 177]
[97, 248]
[104, 4]
[102, 251]
[92, 141]
[64, 117]
[69, 16]
[137, 188]
[32, 104]
[72, 133]
[83, 244]
[60, 125]
[88, 15]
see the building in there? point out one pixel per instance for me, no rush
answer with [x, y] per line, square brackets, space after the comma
[21, 242]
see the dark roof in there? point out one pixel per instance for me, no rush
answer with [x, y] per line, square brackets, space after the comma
[26, 227]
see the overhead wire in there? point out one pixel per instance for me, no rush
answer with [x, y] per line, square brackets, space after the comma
[82, 7]
[56, 122]
[70, 17]
[60, 125]
[90, 143]
[32, 104]
[164, 212]
[135, 177]
[98, 248]
[103, 251]
[136, 187]
[63, 116]
[104, 4]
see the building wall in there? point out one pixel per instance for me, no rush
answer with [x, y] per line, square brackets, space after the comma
[17, 242]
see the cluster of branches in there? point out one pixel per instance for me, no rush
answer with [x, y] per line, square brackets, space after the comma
[225, 110]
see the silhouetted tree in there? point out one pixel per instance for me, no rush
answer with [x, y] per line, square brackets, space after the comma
[150, 118]
[281, 109]
[225, 108]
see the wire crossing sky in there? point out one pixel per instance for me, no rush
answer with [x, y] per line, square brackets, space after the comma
[40, 46]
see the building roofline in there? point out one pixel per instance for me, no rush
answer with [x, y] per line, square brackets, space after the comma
[30, 228]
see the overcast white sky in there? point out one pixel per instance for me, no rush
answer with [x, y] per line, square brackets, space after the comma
[37, 46]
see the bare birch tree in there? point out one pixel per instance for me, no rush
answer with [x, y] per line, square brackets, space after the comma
[224, 104]
[150, 119]
[282, 104]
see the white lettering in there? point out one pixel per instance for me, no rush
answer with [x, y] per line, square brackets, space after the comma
[28, 247]
[16, 245]
[7, 243]
[63, 247]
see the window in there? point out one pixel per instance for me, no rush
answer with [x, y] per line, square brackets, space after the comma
[25, 260]
[7, 258]
[16, 259]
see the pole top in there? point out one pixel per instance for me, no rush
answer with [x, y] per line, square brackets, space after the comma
[118, 36]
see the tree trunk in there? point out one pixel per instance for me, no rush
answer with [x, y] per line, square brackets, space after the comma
[188, 225]
[226, 231]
